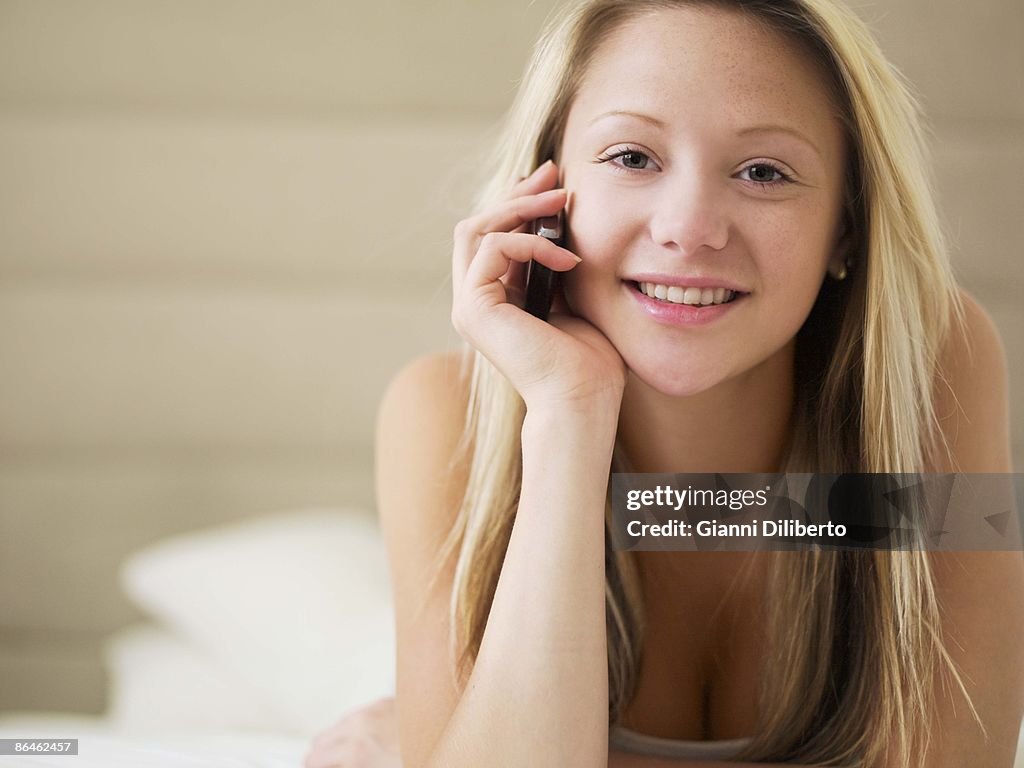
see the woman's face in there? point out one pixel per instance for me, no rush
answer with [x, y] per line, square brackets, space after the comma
[728, 173]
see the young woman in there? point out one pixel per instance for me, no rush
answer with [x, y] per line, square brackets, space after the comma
[761, 162]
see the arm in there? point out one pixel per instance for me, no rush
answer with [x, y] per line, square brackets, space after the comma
[981, 594]
[539, 685]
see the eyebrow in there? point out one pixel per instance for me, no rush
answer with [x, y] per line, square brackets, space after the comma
[639, 115]
[767, 128]
[788, 130]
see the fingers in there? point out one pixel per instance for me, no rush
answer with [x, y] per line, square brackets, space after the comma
[545, 176]
[519, 210]
[515, 283]
[490, 257]
[509, 216]
[498, 251]
[502, 218]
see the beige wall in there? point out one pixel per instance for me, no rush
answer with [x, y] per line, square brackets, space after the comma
[224, 225]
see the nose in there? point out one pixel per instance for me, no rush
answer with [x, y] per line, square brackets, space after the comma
[689, 214]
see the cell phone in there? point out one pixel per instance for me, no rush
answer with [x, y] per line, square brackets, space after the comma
[541, 282]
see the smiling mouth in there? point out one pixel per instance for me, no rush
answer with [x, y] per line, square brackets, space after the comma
[693, 297]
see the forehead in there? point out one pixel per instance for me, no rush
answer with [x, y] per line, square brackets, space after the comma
[693, 63]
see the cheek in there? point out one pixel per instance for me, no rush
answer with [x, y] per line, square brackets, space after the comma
[601, 231]
[600, 225]
[791, 255]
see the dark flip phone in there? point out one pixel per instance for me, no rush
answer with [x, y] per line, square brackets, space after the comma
[541, 282]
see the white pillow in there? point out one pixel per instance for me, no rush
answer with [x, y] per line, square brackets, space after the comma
[295, 605]
[158, 681]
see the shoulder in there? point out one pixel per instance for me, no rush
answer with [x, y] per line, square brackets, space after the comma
[421, 476]
[972, 393]
[417, 461]
[981, 594]
[428, 391]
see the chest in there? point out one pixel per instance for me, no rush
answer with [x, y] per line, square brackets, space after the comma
[704, 645]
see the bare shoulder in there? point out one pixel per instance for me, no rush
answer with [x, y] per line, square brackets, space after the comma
[981, 594]
[420, 478]
[430, 380]
[972, 394]
[418, 472]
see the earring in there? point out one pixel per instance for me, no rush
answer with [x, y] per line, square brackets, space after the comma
[842, 272]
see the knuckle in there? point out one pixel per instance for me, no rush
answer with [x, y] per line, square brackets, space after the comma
[491, 240]
[466, 228]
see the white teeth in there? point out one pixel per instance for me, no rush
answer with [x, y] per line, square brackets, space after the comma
[678, 294]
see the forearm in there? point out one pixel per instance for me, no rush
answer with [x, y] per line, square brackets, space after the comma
[539, 685]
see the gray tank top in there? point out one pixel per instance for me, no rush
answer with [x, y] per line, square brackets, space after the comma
[655, 746]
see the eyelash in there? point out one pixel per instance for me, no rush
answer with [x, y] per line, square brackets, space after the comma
[785, 179]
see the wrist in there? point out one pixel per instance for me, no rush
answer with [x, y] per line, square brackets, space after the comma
[597, 418]
[602, 399]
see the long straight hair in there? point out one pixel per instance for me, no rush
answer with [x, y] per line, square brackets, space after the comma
[854, 638]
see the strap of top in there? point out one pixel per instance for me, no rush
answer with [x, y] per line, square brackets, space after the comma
[655, 746]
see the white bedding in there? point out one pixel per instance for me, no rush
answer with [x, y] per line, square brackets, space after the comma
[258, 635]
[101, 744]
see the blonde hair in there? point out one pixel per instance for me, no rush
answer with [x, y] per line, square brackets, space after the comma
[854, 637]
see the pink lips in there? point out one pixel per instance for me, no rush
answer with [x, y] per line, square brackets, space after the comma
[680, 314]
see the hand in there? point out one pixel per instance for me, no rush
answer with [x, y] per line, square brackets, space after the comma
[364, 738]
[564, 360]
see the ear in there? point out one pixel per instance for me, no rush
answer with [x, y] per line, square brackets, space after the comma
[842, 252]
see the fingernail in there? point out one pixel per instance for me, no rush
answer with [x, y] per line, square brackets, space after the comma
[578, 259]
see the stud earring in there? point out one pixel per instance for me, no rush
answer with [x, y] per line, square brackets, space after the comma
[842, 272]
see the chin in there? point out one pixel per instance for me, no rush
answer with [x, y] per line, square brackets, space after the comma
[676, 380]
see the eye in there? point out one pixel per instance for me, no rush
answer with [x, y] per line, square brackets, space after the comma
[633, 159]
[765, 175]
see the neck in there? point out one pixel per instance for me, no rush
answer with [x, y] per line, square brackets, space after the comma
[740, 425]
